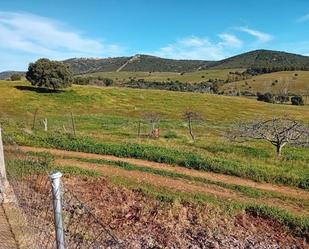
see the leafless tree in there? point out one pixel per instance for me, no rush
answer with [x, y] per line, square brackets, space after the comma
[152, 118]
[278, 131]
[190, 116]
[284, 86]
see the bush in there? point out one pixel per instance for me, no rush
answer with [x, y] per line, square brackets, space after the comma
[108, 82]
[15, 77]
[171, 134]
[266, 97]
[282, 98]
[297, 100]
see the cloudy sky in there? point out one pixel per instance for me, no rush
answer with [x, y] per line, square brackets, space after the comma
[182, 29]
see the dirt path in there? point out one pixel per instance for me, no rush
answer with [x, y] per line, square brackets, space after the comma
[178, 184]
[288, 191]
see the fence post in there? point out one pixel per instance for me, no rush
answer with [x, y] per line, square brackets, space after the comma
[2, 163]
[55, 178]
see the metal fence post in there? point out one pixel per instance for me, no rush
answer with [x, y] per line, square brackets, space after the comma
[55, 178]
[2, 163]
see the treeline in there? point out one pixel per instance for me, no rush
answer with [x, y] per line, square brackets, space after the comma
[271, 98]
[93, 80]
[262, 70]
[211, 86]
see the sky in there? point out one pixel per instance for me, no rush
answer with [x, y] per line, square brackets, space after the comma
[179, 29]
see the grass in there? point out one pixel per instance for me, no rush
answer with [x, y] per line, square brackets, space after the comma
[298, 225]
[109, 116]
[107, 121]
[40, 163]
[190, 77]
[36, 163]
[261, 173]
[273, 82]
[246, 191]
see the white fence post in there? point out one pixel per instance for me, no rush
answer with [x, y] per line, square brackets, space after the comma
[55, 178]
[2, 163]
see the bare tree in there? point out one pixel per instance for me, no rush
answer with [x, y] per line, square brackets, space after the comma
[278, 131]
[284, 87]
[152, 118]
[190, 116]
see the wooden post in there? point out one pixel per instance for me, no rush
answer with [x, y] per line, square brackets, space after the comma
[73, 123]
[2, 163]
[139, 129]
[34, 119]
[45, 124]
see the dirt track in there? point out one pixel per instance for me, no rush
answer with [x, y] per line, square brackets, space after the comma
[180, 184]
[288, 191]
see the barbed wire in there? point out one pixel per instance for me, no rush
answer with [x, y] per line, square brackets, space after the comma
[28, 178]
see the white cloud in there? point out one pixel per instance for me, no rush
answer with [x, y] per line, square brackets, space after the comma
[303, 18]
[200, 48]
[262, 37]
[31, 34]
[230, 40]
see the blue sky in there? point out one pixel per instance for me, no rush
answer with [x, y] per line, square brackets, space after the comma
[191, 29]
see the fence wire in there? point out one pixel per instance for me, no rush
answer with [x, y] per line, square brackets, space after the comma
[28, 178]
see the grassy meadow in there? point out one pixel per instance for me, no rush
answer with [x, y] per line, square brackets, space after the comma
[107, 118]
[273, 82]
[190, 77]
[111, 115]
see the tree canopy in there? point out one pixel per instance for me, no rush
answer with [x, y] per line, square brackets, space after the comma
[49, 74]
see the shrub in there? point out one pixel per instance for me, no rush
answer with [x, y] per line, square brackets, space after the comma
[15, 77]
[171, 134]
[108, 82]
[282, 98]
[266, 97]
[297, 100]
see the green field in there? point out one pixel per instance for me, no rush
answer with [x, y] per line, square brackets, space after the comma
[297, 82]
[190, 77]
[111, 115]
[107, 118]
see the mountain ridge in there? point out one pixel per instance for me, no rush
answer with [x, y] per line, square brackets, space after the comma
[261, 60]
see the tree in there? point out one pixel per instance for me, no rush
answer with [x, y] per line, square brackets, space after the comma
[49, 74]
[190, 116]
[152, 118]
[15, 77]
[108, 82]
[297, 100]
[278, 131]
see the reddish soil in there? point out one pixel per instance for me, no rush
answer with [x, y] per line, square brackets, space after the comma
[142, 222]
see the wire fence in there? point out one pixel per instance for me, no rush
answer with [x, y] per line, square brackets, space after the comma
[31, 194]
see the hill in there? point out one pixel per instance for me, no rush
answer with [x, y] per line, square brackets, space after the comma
[280, 61]
[260, 60]
[7, 74]
[88, 65]
[143, 63]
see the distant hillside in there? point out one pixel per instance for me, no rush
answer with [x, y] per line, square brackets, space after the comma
[7, 74]
[147, 63]
[260, 61]
[88, 65]
[143, 63]
[279, 61]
